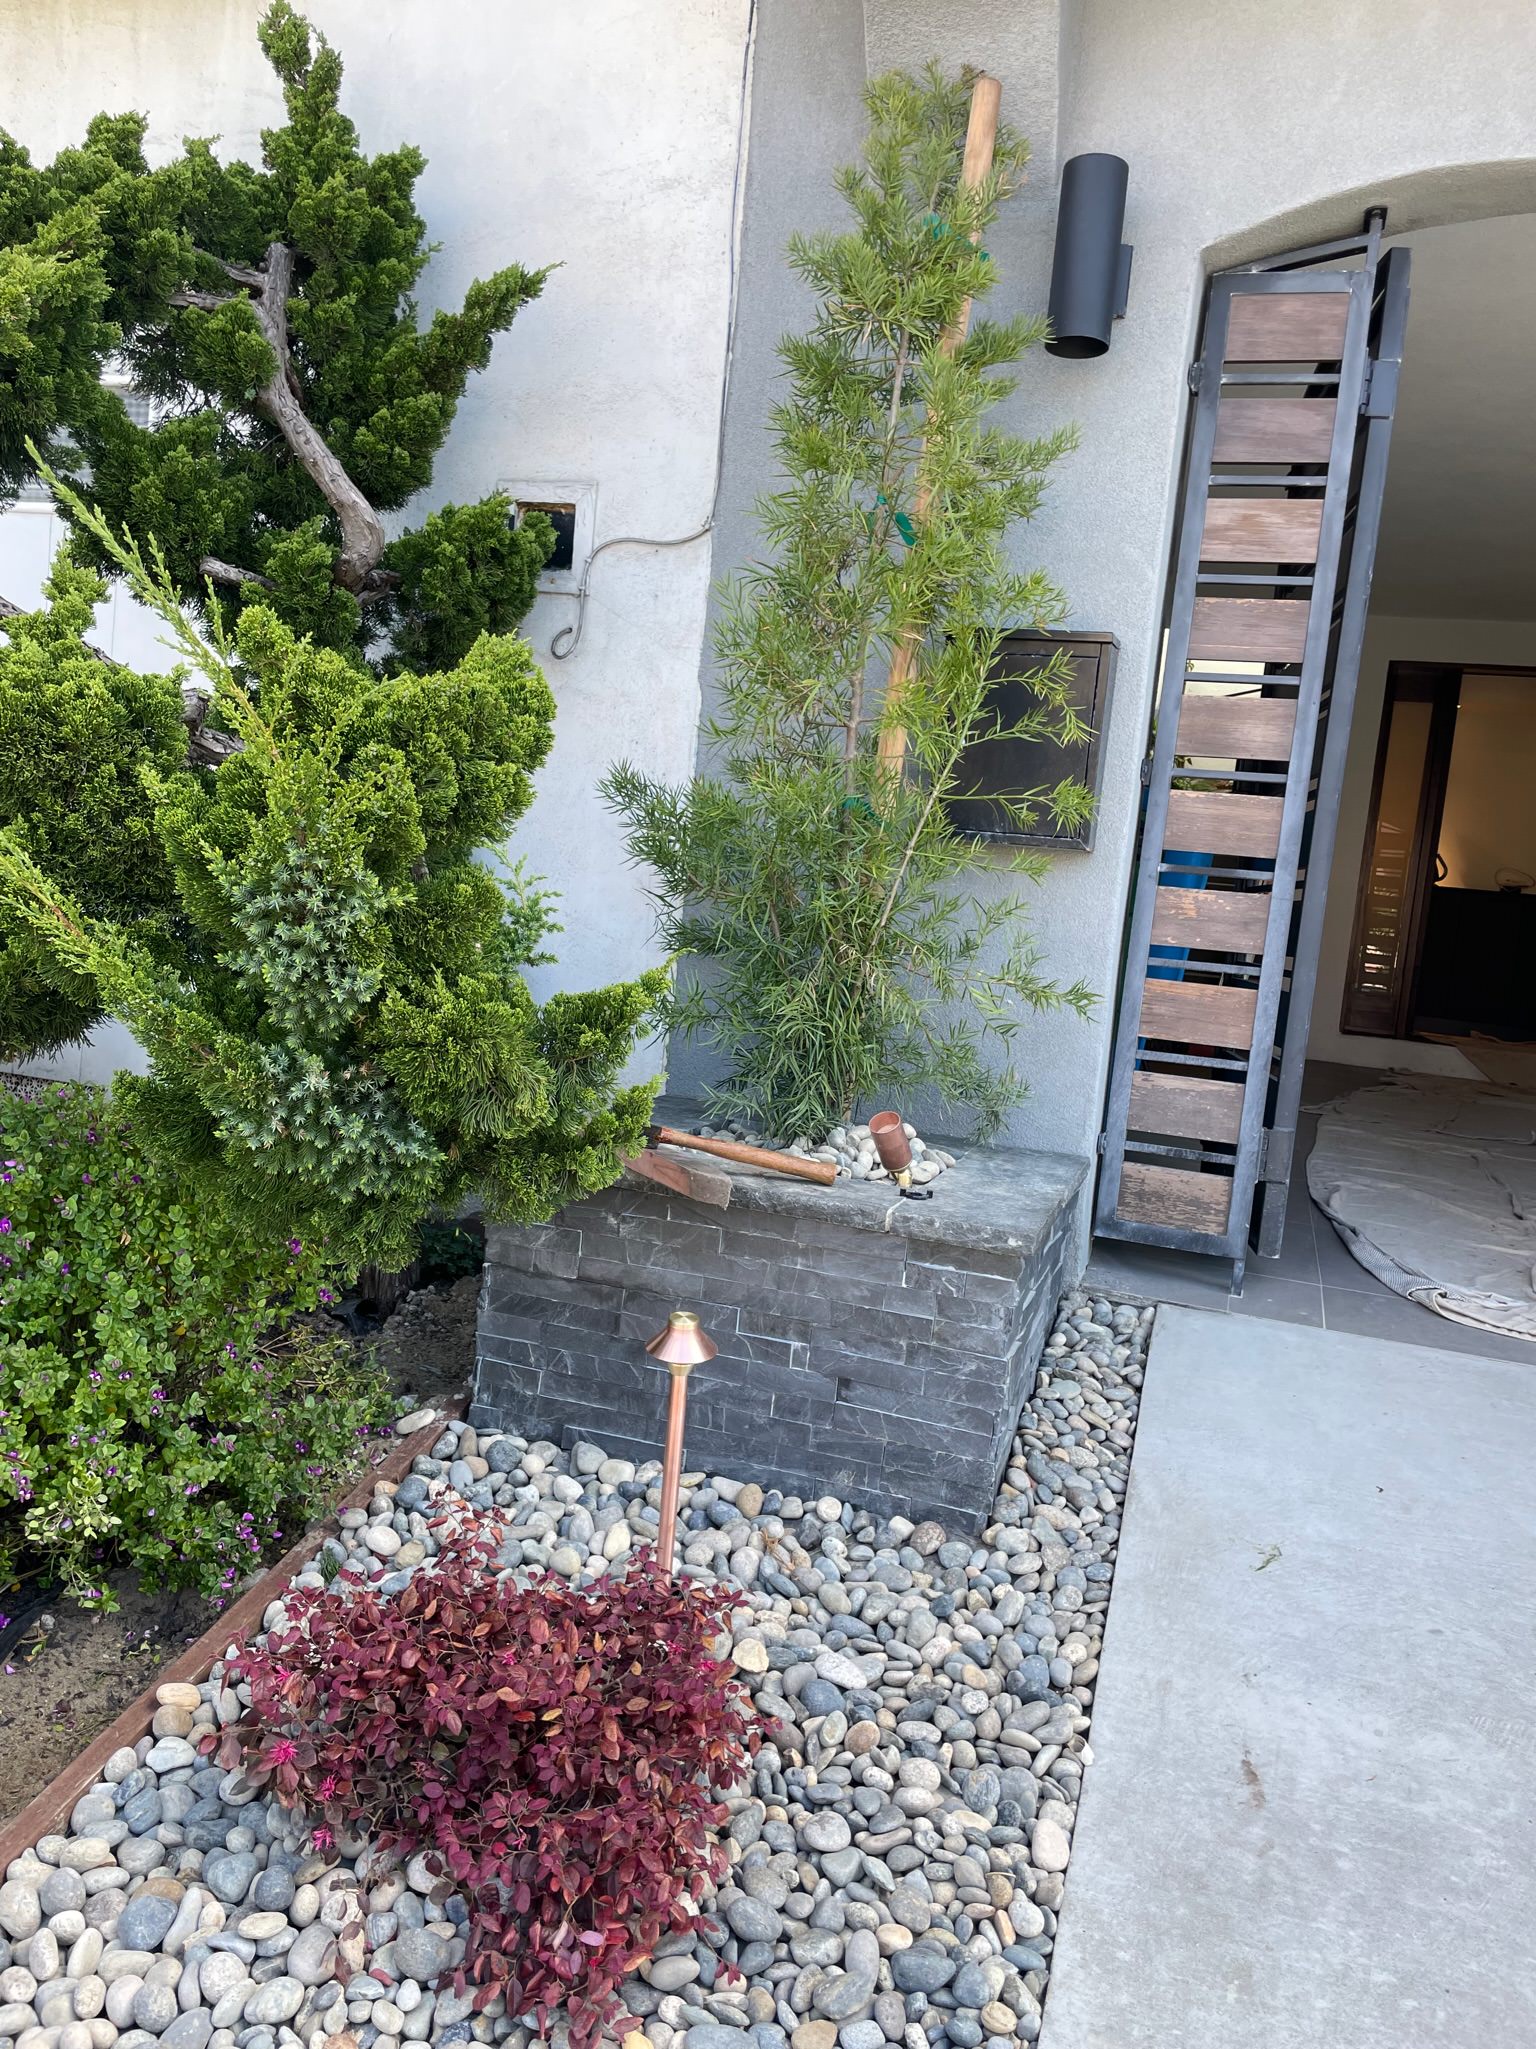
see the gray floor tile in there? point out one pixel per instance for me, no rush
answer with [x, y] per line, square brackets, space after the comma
[1385, 1315]
[1149, 1274]
[1298, 1247]
[1281, 1300]
[1337, 1266]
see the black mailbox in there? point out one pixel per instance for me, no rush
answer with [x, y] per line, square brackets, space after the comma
[1008, 768]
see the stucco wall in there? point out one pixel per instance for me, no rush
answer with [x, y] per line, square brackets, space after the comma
[592, 136]
[1248, 129]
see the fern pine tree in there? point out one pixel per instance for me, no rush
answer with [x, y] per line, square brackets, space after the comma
[268, 863]
[846, 949]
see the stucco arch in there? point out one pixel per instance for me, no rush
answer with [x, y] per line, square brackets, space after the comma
[1437, 196]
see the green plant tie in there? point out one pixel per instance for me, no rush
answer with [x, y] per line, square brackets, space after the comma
[904, 525]
[938, 228]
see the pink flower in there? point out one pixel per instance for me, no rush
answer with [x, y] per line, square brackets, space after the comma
[322, 1838]
[282, 1752]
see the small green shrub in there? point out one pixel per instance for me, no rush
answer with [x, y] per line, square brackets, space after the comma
[160, 1404]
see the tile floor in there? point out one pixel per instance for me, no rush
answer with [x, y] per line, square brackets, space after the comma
[1314, 1282]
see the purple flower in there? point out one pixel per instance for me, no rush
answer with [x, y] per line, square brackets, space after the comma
[5, 1224]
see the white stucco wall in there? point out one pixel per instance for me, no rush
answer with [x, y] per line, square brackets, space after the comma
[602, 137]
[1248, 129]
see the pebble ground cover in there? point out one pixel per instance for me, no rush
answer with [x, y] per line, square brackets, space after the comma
[896, 1861]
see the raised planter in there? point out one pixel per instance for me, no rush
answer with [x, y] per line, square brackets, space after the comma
[870, 1347]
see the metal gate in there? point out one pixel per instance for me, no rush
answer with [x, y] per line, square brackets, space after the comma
[1294, 392]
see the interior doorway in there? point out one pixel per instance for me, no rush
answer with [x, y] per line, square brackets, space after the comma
[1424, 958]
[1422, 1167]
[1444, 942]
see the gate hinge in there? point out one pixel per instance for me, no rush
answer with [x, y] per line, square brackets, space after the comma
[1276, 1152]
[1196, 375]
[1103, 1143]
[1146, 771]
[1379, 399]
[1263, 1159]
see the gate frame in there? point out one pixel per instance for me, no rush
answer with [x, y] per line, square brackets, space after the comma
[1366, 392]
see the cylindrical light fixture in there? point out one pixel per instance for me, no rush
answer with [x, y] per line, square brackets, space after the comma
[890, 1137]
[680, 1345]
[1091, 272]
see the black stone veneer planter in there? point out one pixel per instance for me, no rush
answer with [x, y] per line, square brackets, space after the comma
[869, 1347]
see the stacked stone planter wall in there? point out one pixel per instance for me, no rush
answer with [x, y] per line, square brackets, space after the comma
[872, 1347]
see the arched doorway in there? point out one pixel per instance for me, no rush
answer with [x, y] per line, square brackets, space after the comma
[1223, 991]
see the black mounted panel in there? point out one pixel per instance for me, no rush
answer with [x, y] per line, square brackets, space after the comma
[1012, 768]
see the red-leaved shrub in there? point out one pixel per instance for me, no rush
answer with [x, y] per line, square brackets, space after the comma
[561, 1751]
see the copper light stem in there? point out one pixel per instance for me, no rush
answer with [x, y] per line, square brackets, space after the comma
[672, 1468]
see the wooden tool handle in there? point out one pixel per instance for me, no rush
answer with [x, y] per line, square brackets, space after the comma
[822, 1171]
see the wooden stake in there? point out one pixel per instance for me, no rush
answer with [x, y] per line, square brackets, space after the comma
[980, 140]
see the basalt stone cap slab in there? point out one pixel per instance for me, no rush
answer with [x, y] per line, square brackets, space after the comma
[998, 1199]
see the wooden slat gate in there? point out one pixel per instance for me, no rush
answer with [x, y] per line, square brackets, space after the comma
[1294, 392]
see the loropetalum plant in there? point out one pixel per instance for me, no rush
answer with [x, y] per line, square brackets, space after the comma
[846, 950]
[560, 1751]
[160, 1405]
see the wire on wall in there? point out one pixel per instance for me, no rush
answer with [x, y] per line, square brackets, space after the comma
[568, 639]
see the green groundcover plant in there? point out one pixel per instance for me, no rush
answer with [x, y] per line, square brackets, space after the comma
[162, 1404]
[844, 950]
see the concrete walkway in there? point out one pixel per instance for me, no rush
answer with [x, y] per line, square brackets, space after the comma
[1311, 1818]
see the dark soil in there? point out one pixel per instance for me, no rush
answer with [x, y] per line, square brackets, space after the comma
[428, 1346]
[63, 1684]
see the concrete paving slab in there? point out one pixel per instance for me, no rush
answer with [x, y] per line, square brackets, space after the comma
[1311, 1819]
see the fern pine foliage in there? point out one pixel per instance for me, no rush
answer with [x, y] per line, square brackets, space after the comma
[846, 947]
[271, 862]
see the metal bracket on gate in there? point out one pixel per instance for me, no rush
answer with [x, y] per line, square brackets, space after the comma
[1379, 401]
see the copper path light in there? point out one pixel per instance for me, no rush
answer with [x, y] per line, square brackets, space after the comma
[680, 1346]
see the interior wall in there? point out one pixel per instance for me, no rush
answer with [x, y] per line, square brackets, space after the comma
[1489, 642]
[1489, 820]
[601, 138]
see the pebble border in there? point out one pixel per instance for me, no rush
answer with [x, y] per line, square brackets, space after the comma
[896, 1864]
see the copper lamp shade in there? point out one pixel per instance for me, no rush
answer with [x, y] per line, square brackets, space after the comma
[682, 1341]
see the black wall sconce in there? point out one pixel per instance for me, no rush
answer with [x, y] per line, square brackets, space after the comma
[1091, 273]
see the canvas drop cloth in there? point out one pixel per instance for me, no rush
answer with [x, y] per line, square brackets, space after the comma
[1431, 1183]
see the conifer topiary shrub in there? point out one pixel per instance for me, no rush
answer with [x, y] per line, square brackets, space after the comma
[160, 1406]
[561, 1752]
[850, 950]
[271, 865]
